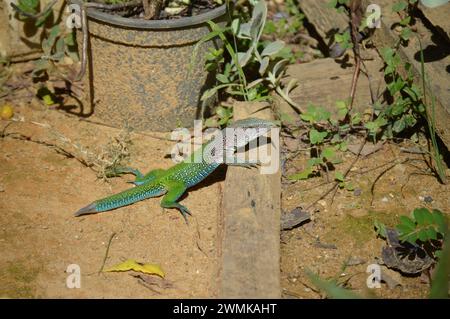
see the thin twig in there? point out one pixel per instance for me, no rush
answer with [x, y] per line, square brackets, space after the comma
[106, 253]
[85, 30]
[354, 82]
[351, 165]
[58, 149]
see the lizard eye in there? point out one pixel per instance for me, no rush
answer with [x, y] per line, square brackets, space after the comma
[213, 152]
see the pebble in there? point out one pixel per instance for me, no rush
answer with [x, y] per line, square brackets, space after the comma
[2, 188]
[322, 203]
[428, 199]
[385, 199]
[357, 192]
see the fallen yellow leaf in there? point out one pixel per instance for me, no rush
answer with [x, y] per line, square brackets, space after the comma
[6, 112]
[131, 264]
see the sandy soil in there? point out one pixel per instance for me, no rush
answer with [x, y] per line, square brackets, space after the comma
[344, 232]
[39, 237]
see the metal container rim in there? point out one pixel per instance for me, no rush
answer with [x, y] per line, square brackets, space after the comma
[154, 24]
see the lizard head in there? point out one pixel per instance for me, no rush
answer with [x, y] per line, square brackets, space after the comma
[247, 130]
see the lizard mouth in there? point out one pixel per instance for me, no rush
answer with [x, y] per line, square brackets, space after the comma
[89, 209]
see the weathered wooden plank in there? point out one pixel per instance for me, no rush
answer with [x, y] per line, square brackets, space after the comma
[326, 20]
[323, 82]
[439, 18]
[250, 257]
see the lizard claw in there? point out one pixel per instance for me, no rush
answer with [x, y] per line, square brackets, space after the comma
[184, 212]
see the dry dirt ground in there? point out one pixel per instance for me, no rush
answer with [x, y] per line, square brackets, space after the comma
[39, 236]
[40, 190]
[343, 233]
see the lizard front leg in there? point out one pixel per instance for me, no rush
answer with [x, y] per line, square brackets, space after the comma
[231, 161]
[175, 190]
[140, 178]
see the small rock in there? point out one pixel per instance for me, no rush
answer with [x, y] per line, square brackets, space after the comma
[2, 188]
[357, 192]
[391, 277]
[355, 261]
[385, 199]
[428, 199]
[322, 202]
[280, 15]
[294, 218]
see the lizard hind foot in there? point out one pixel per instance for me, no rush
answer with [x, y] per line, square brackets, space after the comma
[185, 212]
[89, 209]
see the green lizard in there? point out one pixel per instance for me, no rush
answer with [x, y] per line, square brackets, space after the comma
[173, 182]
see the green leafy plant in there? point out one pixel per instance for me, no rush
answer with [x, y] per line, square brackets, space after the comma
[248, 68]
[404, 8]
[288, 24]
[344, 40]
[59, 49]
[222, 117]
[31, 7]
[327, 137]
[404, 104]
[423, 228]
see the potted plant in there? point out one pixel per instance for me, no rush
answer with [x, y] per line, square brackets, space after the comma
[140, 71]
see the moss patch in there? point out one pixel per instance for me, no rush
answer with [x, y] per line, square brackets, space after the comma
[17, 279]
[360, 229]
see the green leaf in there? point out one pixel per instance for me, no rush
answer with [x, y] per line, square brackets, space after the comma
[331, 288]
[380, 228]
[317, 137]
[315, 114]
[399, 6]
[328, 153]
[211, 122]
[349, 186]
[427, 217]
[313, 161]
[273, 48]
[69, 39]
[431, 233]
[235, 26]
[406, 33]
[222, 78]
[399, 125]
[440, 221]
[356, 118]
[302, 175]
[407, 222]
[440, 283]
[223, 111]
[41, 20]
[404, 22]
[342, 109]
[29, 6]
[339, 176]
[422, 234]
[419, 215]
